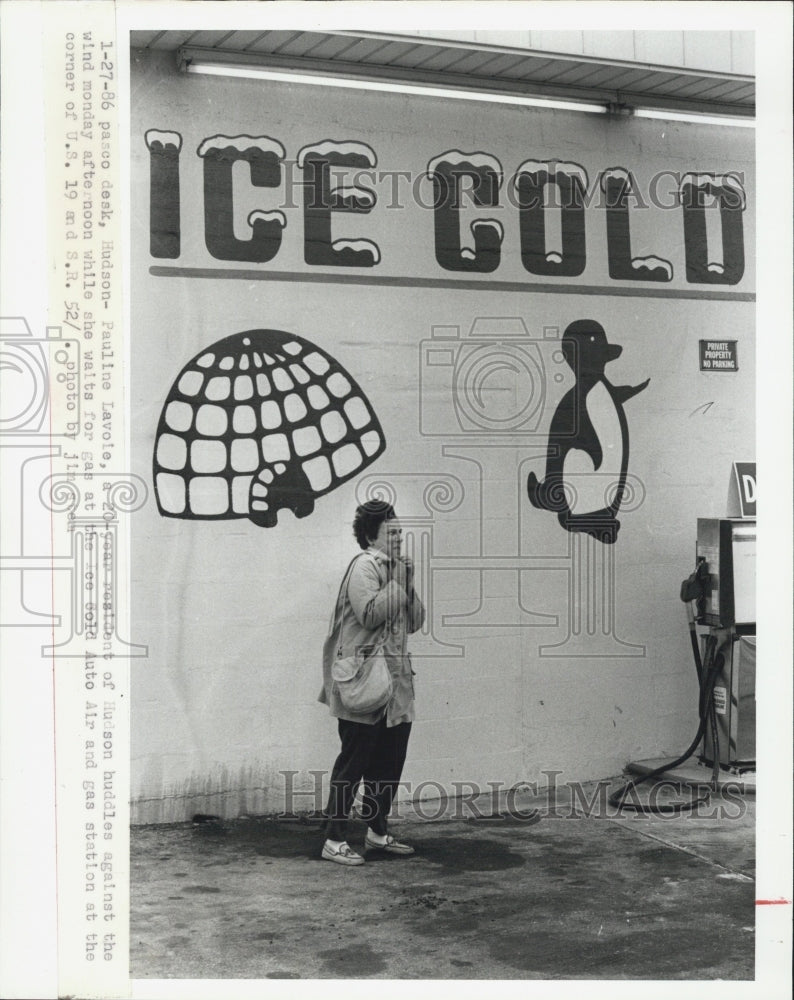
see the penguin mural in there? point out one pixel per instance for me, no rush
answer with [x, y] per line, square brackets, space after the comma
[588, 426]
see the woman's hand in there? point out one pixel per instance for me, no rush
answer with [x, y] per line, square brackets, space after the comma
[403, 572]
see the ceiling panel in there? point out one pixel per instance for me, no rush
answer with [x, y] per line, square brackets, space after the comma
[410, 57]
[367, 50]
[239, 40]
[173, 39]
[493, 66]
[212, 39]
[442, 59]
[538, 69]
[289, 43]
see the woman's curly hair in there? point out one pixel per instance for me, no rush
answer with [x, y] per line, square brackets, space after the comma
[368, 519]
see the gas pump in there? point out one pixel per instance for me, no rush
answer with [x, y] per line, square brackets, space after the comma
[720, 600]
[725, 556]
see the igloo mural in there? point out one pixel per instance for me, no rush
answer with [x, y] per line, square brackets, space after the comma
[259, 422]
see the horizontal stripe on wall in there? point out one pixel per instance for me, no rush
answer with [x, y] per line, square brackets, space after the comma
[458, 284]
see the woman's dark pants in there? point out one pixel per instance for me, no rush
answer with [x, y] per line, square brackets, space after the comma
[374, 755]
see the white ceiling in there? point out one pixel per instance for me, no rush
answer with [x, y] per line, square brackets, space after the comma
[466, 63]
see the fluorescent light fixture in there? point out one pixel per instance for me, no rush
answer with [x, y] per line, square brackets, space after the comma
[691, 116]
[258, 73]
[324, 79]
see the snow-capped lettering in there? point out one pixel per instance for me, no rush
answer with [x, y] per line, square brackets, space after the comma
[264, 156]
[165, 236]
[618, 186]
[700, 193]
[352, 198]
[323, 196]
[447, 172]
[531, 182]
[548, 204]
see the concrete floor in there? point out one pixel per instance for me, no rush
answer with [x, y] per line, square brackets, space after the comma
[564, 896]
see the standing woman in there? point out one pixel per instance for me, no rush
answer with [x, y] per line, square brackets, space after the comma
[378, 603]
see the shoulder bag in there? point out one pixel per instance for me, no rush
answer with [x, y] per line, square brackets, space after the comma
[363, 680]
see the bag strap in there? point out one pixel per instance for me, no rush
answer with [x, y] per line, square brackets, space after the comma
[343, 591]
[340, 602]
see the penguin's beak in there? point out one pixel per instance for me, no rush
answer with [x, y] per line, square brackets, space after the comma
[614, 351]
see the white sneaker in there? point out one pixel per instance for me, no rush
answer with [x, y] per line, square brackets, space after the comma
[391, 846]
[342, 855]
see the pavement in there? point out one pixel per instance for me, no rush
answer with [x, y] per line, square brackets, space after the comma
[537, 886]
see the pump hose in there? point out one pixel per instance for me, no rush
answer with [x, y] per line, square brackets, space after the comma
[693, 638]
[707, 673]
